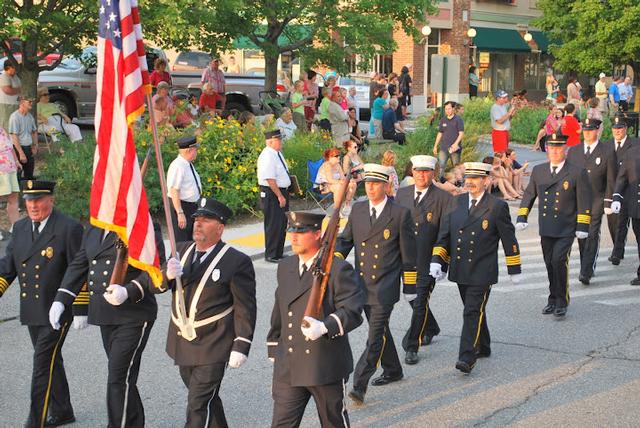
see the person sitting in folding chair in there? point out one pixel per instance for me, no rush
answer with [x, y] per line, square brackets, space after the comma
[313, 188]
[52, 121]
[330, 176]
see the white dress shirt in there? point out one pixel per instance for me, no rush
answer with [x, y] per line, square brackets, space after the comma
[592, 147]
[378, 207]
[43, 223]
[271, 165]
[477, 199]
[306, 265]
[559, 167]
[182, 178]
[423, 192]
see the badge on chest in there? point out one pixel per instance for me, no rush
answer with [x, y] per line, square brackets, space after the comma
[215, 275]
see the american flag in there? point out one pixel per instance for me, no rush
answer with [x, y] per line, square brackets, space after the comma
[118, 199]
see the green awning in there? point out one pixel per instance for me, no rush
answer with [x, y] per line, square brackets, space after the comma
[291, 34]
[500, 40]
[541, 40]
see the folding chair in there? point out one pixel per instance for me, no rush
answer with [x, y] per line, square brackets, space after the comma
[44, 138]
[313, 190]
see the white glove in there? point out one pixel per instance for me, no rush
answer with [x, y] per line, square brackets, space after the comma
[409, 298]
[174, 269]
[116, 294]
[273, 360]
[521, 226]
[55, 312]
[236, 359]
[516, 278]
[615, 207]
[435, 270]
[315, 330]
[80, 322]
[582, 235]
[608, 211]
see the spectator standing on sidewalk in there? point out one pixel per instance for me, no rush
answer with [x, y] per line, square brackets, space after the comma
[215, 77]
[184, 188]
[297, 105]
[24, 136]
[570, 126]
[474, 82]
[449, 139]
[601, 93]
[626, 93]
[614, 95]
[10, 88]
[501, 122]
[573, 91]
[9, 188]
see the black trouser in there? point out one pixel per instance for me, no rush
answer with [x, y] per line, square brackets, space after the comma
[556, 252]
[275, 222]
[398, 137]
[590, 246]
[379, 349]
[49, 387]
[423, 323]
[124, 345]
[27, 168]
[289, 403]
[635, 224]
[473, 91]
[204, 407]
[475, 333]
[186, 234]
[624, 105]
[619, 228]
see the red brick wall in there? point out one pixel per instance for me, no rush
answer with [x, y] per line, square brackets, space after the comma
[456, 39]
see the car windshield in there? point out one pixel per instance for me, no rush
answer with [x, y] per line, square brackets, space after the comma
[70, 64]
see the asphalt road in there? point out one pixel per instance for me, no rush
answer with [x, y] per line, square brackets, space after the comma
[580, 371]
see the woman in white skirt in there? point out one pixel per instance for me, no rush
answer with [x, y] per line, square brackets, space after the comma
[9, 188]
[52, 121]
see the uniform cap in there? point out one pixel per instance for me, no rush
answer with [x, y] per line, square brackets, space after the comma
[34, 189]
[302, 221]
[209, 207]
[619, 121]
[591, 124]
[187, 142]
[557, 140]
[477, 169]
[374, 172]
[424, 162]
[272, 134]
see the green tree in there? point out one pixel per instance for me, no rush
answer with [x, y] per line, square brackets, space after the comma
[594, 35]
[42, 28]
[324, 31]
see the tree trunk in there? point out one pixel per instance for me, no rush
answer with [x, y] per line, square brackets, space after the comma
[30, 71]
[270, 69]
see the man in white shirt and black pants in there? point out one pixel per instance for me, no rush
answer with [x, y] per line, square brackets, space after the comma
[273, 178]
[184, 188]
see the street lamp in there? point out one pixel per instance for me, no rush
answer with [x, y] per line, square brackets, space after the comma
[426, 30]
[471, 33]
[528, 37]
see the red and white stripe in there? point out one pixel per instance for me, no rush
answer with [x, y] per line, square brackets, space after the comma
[118, 198]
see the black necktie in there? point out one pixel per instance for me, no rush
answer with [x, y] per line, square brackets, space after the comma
[554, 172]
[193, 171]
[473, 205]
[416, 201]
[373, 215]
[618, 145]
[588, 150]
[303, 270]
[36, 230]
[196, 262]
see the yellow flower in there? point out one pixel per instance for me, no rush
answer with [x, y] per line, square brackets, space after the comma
[209, 180]
[254, 189]
[237, 187]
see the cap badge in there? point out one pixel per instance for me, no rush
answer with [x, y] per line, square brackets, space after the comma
[30, 184]
[429, 217]
[293, 216]
[565, 185]
[485, 224]
[386, 233]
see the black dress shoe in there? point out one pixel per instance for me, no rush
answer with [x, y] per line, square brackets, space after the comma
[464, 367]
[549, 309]
[272, 259]
[635, 281]
[483, 353]
[560, 312]
[411, 358]
[614, 260]
[56, 421]
[385, 380]
[427, 339]
[357, 396]
[584, 279]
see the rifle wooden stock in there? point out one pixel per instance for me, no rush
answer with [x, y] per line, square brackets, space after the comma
[122, 252]
[322, 268]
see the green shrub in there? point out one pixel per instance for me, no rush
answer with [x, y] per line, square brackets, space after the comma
[526, 124]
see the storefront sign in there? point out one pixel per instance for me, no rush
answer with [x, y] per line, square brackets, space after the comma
[484, 59]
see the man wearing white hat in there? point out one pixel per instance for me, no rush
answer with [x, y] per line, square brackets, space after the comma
[382, 234]
[602, 93]
[427, 204]
[468, 245]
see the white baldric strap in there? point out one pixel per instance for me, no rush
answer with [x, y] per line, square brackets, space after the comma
[188, 326]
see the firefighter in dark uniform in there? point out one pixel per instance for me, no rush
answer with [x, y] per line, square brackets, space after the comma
[627, 194]
[315, 360]
[382, 234]
[619, 223]
[213, 312]
[564, 212]
[125, 315]
[468, 245]
[599, 160]
[41, 248]
[427, 204]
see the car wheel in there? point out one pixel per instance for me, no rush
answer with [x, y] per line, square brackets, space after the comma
[64, 103]
[235, 106]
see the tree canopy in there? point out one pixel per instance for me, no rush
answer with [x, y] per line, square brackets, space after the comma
[594, 35]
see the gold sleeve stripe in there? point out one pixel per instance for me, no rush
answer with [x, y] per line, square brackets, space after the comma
[3, 285]
[513, 260]
[584, 218]
[523, 211]
[338, 254]
[442, 253]
[410, 278]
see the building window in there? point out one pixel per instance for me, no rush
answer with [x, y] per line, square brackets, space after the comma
[433, 44]
[383, 64]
